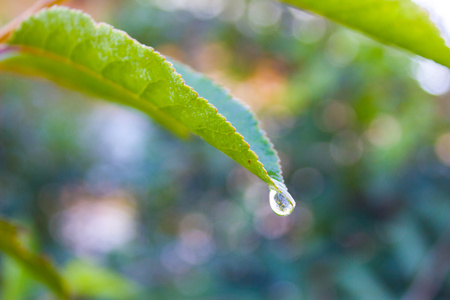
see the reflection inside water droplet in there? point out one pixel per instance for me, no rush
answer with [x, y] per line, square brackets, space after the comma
[281, 201]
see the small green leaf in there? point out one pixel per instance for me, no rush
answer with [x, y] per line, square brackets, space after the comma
[38, 266]
[67, 47]
[393, 22]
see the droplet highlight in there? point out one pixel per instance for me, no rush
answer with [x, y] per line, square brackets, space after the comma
[281, 201]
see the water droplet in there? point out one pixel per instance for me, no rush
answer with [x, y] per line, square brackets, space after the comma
[281, 201]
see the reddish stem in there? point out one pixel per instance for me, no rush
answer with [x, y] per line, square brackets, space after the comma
[6, 30]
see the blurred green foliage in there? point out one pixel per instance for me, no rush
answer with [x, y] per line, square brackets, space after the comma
[363, 149]
[11, 243]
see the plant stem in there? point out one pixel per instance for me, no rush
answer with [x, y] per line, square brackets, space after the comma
[6, 30]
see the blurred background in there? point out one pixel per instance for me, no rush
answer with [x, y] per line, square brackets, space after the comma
[128, 211]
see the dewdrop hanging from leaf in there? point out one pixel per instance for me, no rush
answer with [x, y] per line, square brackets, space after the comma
[281, 201]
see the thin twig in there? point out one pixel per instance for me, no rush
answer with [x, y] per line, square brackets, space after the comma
[6, 30]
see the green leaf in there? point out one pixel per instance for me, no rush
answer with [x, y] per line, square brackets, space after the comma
[400, 23]
[38, 266]
[90, 281]
[67, 47]
[237, 114]
[17, 285]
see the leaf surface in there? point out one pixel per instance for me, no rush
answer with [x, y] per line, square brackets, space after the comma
[39, 267]
[401, 23]
[237, 114]
[67, 47]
